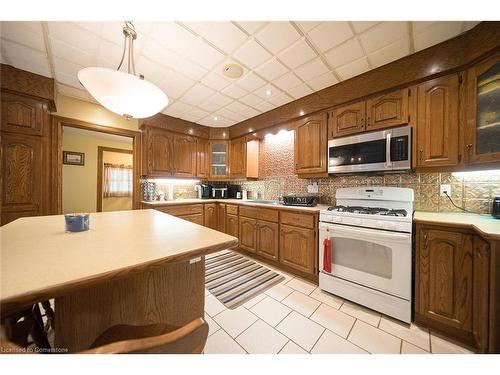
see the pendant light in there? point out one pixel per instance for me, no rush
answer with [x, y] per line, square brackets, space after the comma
[124, 93]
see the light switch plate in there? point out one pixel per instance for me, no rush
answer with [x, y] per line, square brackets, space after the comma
[444, 188]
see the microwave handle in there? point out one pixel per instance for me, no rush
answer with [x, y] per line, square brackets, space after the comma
[388, 162]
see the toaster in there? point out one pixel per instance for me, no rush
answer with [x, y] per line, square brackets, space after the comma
[495, 210]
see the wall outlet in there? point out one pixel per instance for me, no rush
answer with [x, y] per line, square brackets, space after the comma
[444, 188]
[313, 188]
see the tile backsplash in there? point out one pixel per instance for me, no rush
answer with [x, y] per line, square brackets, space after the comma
[474, 192]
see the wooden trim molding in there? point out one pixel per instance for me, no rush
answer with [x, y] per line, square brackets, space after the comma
[100, 164]
[175, 124]
[57, 125]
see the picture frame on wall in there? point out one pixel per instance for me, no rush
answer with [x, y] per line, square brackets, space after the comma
[73, 158]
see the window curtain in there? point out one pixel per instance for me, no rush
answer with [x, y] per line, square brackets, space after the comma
[117, 180]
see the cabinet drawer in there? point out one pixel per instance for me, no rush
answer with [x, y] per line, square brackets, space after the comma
[260, 213]
[183, 210]
[196, 218]
[231, 209]
[297, 219]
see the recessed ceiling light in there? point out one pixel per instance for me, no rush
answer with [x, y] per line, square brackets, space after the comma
[268, 135]
[250, 130]
[302, 113]
[232, 70]
[254, 134]
[190, 131]
[268, 92]
[215, 118]
[224, 134]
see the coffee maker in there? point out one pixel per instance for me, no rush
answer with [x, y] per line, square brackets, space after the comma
[204, 191]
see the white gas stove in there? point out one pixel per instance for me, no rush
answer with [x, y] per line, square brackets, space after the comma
[366, 248]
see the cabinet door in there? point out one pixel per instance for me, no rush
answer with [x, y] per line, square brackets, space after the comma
[196, 218]
[297, 248]
[202, 158]
[22, 160]
[387, 110]
[221, 217]
[218, 159]
[159, 153]
[238, 158]
[311, 145]
[23, 115]
[437, 122]
[211, 215]
[481, 283]
[346, 120]
[248, 234]
[482, 133]
[232, 225]
[267, 239]
[184, 156]
[444, 278]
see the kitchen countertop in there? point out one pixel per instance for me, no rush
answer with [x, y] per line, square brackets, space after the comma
[38, 257]
[316, 208]
[486, 225]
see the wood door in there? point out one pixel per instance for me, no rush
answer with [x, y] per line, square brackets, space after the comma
[311, 144]
[347, 120]
[248, 234]
[297, 248]
[388, 110]
[481, 285]
[184, 156]
[437, 122]
[267, 239]
[482, 130]
[158, 153]
[196, 218]
[233, 225]
[221, 217]
[444, 279]
[238, 158]
[202, 158]
[22, 180]
[211, 215]
[22, 114]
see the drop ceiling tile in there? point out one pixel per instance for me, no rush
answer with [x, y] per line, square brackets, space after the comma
[224, 35]
[267, 92]
[110, 52]
[66, 67]
[26, 58]
[345, 53]
[161, 55]
[69, 79]
[230, 114]
[264, 106]
[311, 69]
[251, 81]
[390, 53]
[204, 54]
[383, 34]
[179, 107]
[209, 106]
[175, 84]
[297, 54]
[71, 53]
[420, 25]
[330, 34]
[113, 31]
[197, 94]
[219, 99]
[251, 54]
[172, 111]
[286, 81]
[150, 70]
[174, 37]
[199, 113]
[280, 99]
[72, 91]
[190, 117]
[70, 33]
[277, 35]
[93, 27]
[25, 33]
[271, 69]
[467, 25]
[436, 33]
[234, 91]
[300, 91]
[250, 99]
[190, 69]
[353, 69]
[251, 26]
[322, 81]
[237, 107]
[215, 81]
[307, 25]
[144, 27]
[360, 26]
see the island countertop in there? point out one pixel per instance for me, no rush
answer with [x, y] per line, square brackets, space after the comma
[40, 260]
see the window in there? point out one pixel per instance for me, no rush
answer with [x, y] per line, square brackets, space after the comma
[117, 180]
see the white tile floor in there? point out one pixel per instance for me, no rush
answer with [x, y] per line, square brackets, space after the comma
[296, 317]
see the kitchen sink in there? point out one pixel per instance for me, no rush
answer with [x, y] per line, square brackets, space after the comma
[265, 201]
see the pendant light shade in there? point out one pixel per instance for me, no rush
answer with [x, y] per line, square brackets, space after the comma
[123, 93]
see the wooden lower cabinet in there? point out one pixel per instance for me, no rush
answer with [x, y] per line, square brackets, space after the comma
[248, 234]
[210, 219]
[452, 283]
[233, 225]
[298, 248]
[267, 239]
[196, 218]
[221, 217]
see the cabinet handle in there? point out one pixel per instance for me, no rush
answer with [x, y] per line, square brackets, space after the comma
[469, 151]
[426, 242]
[368, 120]
[420, 154]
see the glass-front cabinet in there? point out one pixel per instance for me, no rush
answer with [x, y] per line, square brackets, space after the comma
[219, 159]
[482, 136]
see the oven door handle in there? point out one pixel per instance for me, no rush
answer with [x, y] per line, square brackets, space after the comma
[388, 162]
[363, 233]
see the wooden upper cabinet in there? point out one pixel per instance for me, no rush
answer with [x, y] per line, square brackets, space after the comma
[482, 131]
[311, 145]
[387, 110]
[23, 115]
[437, 122]
[347, 120]
[211, 215]
[218, 159]
[267, 239]
[184, 147]
[202, 158]
[238, 158]
[22, 180]
[157, 153]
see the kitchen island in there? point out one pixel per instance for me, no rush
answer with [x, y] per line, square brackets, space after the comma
[132, 267]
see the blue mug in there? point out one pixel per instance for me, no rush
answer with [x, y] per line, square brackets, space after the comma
[77, 222]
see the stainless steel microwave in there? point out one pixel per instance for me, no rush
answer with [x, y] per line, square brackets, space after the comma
[384, 150]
